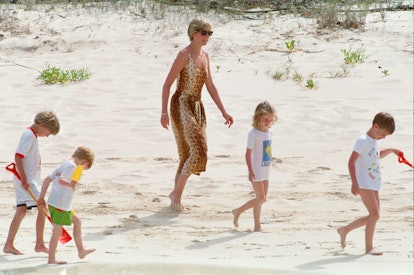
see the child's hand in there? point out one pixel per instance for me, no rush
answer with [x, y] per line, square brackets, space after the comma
[41, 203]
[251, 176]
[25, 184]
[355, 189]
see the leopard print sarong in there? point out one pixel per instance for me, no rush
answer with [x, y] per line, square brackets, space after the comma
[188, 120]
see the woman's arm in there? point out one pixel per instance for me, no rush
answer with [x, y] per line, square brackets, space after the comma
[175, 70]
[212, 90]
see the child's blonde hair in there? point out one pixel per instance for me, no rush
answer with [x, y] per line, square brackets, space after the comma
[262, 109]
[196, 25]
[49, 120]
[84, 153]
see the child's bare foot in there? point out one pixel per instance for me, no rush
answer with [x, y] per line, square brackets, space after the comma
[342, 235]
[56, 262]
[374, 252]
[82, 254]
[11, 250]
[257, 229]
[236, 216]
[42, 249]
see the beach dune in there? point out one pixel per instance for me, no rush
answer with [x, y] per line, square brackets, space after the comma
[123, 200]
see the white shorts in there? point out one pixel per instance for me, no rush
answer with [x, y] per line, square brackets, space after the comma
[22, 195]
[369, 185]
[261, 173]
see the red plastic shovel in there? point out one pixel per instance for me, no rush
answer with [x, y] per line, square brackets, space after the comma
[65, 237]
[401, 159]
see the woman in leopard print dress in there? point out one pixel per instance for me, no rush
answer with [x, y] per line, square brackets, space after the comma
[191, 70]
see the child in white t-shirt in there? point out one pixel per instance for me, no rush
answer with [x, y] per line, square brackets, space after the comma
[27, 161]
[364, 169]
[60, 201]
[258, 159]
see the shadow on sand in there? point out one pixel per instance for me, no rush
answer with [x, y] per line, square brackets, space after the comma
[321, 264]
[162, 217]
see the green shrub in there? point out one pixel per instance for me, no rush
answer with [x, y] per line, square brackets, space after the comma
[353, 57]
[53, 75]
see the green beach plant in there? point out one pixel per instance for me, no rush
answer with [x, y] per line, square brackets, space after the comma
[310, 84]
[344, 73]
[53, 75]
[297, 77]
[277, 75]
[353, 57]
[290, 45]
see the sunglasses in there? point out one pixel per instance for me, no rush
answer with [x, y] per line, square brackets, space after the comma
[204, 32]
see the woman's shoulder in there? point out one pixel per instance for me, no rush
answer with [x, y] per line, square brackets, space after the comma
[182, 55]
[184, 52]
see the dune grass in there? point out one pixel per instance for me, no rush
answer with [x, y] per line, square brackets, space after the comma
[328, 13]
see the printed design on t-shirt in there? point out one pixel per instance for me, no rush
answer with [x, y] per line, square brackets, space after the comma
[267, 153]
[374, 169]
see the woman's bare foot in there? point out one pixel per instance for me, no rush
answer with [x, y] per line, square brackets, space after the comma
[175, 204]
[41, 249]
[82, 254]
[374, 252]
[56, 262]
[342, 235]
[236, 216]
[177, 207]
[11, 250]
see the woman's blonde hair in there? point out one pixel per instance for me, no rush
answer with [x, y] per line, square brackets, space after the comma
[198, 24]
[262, 109]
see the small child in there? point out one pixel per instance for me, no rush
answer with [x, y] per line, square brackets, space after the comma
[60, 201]
[258, 159]
[364, 169]
[27, 159]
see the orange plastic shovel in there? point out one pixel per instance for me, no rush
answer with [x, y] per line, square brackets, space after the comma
[65, 237]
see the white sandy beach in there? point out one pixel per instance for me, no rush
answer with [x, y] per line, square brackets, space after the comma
[123, 200]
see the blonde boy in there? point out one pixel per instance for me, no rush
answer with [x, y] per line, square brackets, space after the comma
[60, 201]
[27, 159]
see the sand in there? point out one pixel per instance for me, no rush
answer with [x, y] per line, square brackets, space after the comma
[123, 200]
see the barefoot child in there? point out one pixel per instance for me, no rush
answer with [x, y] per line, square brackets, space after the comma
[258, 159]
[27, 159]
[60, 201]
[364, 169]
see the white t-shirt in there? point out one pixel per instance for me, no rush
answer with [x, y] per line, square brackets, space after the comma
[28, 150]
[261, 145]
[61, 196]
[367, 166]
